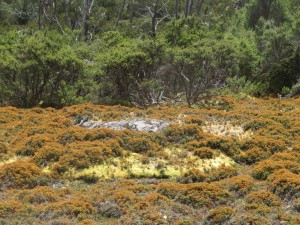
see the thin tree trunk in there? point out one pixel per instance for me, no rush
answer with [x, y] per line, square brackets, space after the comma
[154, 15]
[68, 18]
[187, 9]
[120, 13]
[176, 5]
[190, 8]
[39, 15]
[85, 18]
[199, 7]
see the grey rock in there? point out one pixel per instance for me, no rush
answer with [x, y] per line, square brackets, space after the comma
[139, 124]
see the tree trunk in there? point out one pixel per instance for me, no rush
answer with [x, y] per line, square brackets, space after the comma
[39, 15]
[199, 7]
[120, 13]
[85, 15]
[154, 15]
[176, 5]
[187, 9]
[68, 18]
[190, 8]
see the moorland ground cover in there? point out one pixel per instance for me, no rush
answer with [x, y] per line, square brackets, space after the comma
[225, 161]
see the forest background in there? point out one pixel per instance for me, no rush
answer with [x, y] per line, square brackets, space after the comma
[133, 52]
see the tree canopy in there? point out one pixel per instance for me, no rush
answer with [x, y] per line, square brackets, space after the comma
[57, 53]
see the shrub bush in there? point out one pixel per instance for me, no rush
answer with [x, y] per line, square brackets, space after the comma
[40, 195]
[219, 215]
[264, 168]
[204, 153]
[21, 174]
[241, 184]
[193, 176]
[71, 208]
[183, 133]
[140, 145]
[296, 205]
[267, 144]
[263, 197]
[109, 209]
[31, 146]
[285, 184]
[8, 208]
[252, 156]
[196, 195]
[222, 172]
[48, 154]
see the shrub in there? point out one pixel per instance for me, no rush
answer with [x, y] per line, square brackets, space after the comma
[296, 205]
[87, 222]
[21, 174]
[31, 145]
[285, 183]
[219, 215]
[222, 172]
[3, 148]
[8, 208]
[252, 155]
[264, 168]
[140, 145]
[48, 154]
[253, 219]
[227, 145]
[241, 184]
[71, 208]
[263, 197]
[89, 178]
[267, 144]
[39, 195]
[193, 176]
[196, 195]
[204, 153]
[183, 133]
[109, 209]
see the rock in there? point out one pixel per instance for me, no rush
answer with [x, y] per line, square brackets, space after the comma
[139, 124]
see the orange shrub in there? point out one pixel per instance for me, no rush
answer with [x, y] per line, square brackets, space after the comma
[228, 145]
[219, 215]
[204, 153]
[196, 195]
[3, 148]
[252, 155]
[8, 208]
[296, 204]
[183, 133]
[48, 154]
[21, 174]
[71, 208]
[267, 144]
[29, 146]
[264, 168]
[285, 183]
[263, 197]
[193, 176]
[241, 184]
[39, 195]
[222, 172]
[140, 145]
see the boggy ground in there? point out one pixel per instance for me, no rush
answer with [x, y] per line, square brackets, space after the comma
[225, 161]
